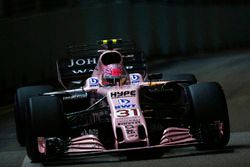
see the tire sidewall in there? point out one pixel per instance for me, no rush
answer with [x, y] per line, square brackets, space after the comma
[20, 106]
[208, 106]
[44, 119]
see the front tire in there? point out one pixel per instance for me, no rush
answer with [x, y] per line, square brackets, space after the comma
[210, 114]
[21, 98]
[43, 119]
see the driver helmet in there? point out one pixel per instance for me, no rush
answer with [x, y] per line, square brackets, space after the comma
[114, 74]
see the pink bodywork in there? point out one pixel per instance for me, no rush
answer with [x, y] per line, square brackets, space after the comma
[85, 143]
[126, 115]
[174, 136]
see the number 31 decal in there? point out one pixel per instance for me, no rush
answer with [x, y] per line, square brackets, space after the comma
[127, 113]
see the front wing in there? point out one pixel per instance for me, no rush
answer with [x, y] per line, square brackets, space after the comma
[118, 155]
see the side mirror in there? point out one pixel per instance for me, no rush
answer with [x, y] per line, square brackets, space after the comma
[155, 76]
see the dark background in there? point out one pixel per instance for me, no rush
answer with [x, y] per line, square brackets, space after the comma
[34, 33]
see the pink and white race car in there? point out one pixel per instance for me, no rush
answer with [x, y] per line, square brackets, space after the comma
[111, 104]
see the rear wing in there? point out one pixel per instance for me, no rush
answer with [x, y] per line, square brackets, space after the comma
[80, 61]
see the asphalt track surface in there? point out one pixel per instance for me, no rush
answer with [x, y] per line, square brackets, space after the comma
[230, 69]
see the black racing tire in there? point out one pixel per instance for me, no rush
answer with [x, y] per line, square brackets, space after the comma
[181, 77]
[44, 118]
[210, 115]
[21, 98]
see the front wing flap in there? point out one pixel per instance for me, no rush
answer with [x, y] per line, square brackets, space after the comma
[122, 154]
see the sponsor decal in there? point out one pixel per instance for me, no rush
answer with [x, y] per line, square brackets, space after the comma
[125, 106]
[82, 71]
[128, 121]
[75, 96]
[123, 101]
[93, 82]
[120, 94]
[135, 78]
[81, 62]
[130, 130]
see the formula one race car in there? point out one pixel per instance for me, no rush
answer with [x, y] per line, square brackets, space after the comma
[111, 104]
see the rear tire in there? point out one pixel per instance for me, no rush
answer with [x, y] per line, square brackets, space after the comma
[44, 118]
[210, 114]
[21, 98]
